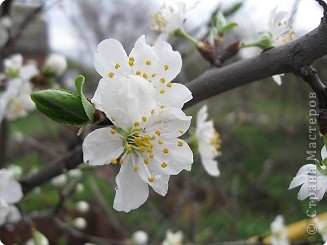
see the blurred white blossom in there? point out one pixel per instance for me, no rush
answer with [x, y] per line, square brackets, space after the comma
[322, 228]
[173, 238]
[37, 239]
[55, 64]
[139, 238]
[208, 142]
[279, 232]
[5, 24]
[14, 68]
[16, 102]
[82, 206]
[79, 223]
[59, 180]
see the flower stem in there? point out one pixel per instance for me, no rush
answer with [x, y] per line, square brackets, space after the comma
[181, 33]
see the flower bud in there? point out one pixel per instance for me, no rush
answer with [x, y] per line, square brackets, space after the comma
[82, 206]
[55, 64]
[139, 238]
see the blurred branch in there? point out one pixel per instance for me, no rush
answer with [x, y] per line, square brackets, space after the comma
[69, 161]
[4, 137]
[6, 6]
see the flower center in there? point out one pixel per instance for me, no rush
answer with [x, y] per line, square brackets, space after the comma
[215, 141]
[160, 22]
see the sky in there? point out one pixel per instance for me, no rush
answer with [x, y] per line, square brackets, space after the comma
[251, 18]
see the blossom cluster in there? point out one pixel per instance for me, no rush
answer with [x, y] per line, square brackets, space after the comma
[16, 83]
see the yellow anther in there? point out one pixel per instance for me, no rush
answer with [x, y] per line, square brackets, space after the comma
[145, 76]
[153, 75]
[180, 143]
[164, 164]
[138, 73]
[160, 142]
[117, 66]
[131, 59]
[136, 132]
[146, 138]
[169, 85]
[121, 161]
[148, 62]
[113, 160]
[128, 148]
[153, 111]
[136, 168]
[158, 132]
[142, 148]
[162, 107]
[162, 80]
[144, 118]
[165, 150]
[151, 179]
[149, 150]
[112, 131]
[152, 137]
[181, 131]
[146, 160]
[136, 124]
[162, 91]
[131, 63]
[111, 74]
[166, 67]
[151, 155]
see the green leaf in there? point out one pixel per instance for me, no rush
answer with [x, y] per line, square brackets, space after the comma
[233, 9]
[61, 106]
[227, 28]
[87, 105]
[218, 21]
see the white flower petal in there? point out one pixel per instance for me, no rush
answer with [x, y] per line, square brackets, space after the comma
[323, 152]
[101, 146]
[145, 59]
[175, 96]
[12, 192]
[132, 191]
[169, 62]
[133, 95]
[111, 57]
[210, 165]
[172, 123]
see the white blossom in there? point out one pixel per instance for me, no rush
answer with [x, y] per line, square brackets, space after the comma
[14, 68]
[75, 173]
[139, 238]
[279, 29]
[173, 238]
[79, 223]
[144, 138]
[169, 18]
[278, 79]
[279, 232]
[5, 24]
[82, 206]
[59, 180]
[322, 228]
[208, 142]
[55, 64]
[16, 102]
[37, 239]
[10, 189]
[14, 171]
[304, 177]
[158, 65]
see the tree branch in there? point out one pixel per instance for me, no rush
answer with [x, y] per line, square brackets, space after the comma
[284, 59]
[69, 161]
[287, 58]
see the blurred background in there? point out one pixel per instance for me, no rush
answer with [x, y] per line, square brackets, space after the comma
[264, 127]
